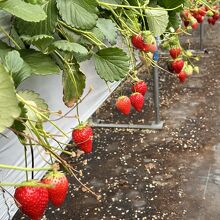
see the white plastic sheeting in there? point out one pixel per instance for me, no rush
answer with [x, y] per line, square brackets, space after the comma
[50, 88]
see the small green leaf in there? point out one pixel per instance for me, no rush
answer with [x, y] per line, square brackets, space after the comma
[73, 84]
[112, 64]
[45, 27]
[157, 20]
[40, 41]
[13, 61]
[23, 74]
[40, 64]
[169, 4]
[23, 10]
[19, 125]
[78, 13]
[107, 27]
[34, 100]
[70, 47]
[9, 109]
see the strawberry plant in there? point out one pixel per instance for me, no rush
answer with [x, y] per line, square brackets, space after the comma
[53, 37]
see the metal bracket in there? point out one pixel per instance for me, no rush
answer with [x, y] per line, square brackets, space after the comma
[153, 125]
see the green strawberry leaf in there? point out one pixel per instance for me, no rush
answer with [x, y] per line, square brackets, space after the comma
[171, 4]
[45, 27]
[112, 64]
[73, 84]
[65, 45]
[23, 74]
[40, 64]
[19, 125]
[104, 26]
[40, 41]
[23, 10]
[78, 13]
[9, 109]
[157, 20]
[34, 100]
[13, 61]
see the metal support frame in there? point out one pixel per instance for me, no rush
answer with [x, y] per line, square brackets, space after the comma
[157, 124]
[201, 34]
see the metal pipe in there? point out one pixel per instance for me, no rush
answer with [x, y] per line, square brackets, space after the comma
[129, 126]
[201, 36]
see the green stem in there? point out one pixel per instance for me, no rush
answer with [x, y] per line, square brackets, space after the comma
[135, 7]
[25, 160]
[4, 166]
[25, 184]
[42, 115]
[7, 35]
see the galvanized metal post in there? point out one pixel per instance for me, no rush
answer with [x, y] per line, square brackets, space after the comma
[156, 95]
[201, 36]
[156, 86]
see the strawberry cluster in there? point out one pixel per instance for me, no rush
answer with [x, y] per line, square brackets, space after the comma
[197, 15]
[136, 99]
[177, 63]
[145, 42]
[33, 200]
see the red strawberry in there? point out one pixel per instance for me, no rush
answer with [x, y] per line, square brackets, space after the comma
[195, 24]
[177, 65]
[123, 104]
[186, 23]
[146, 47]
[32, 200]
[202, 11]
[137, 101]
[153, 48]
[182, 76]
[216, 16]
[211, 20]
[138, 41]
[199, 18]
[140, 87]
[58, 192]
[175, 52]
[82, 136]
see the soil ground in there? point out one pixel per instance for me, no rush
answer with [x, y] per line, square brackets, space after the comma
[172, 173]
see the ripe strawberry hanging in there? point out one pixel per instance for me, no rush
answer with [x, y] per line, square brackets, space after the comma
[32, 200]
[123, 104]
[58, 192]
[137, 101]
[175, 52]
[202, 11]
[177, 65]
[182, 76]
[82, 136]
[138, 41]
[140, 87]
[195, 24]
